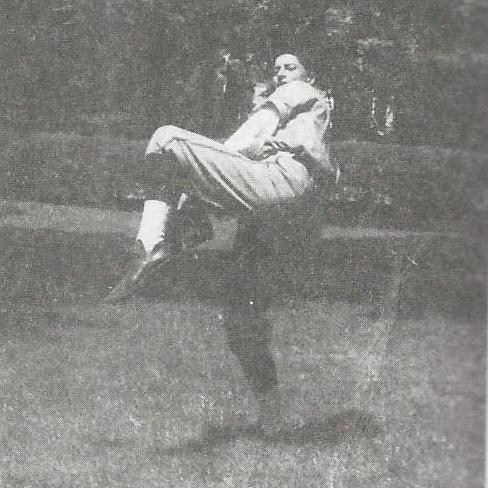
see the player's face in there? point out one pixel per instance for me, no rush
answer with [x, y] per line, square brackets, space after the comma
[288, 68]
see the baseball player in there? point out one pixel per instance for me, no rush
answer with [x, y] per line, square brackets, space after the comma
[270, 164]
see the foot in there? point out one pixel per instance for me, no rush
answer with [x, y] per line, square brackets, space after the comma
[137, 271]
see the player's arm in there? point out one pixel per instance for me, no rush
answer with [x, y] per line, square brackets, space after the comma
[250, 138]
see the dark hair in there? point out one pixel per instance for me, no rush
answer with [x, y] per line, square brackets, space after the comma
[306, 58]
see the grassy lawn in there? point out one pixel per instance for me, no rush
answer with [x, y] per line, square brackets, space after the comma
[147, 394]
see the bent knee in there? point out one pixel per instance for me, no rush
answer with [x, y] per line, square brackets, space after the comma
[168, 131]
[165, 128]
[163, 136]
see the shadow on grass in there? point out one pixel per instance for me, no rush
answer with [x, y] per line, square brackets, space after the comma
[42, 266]
[45, 266]
[347, 426]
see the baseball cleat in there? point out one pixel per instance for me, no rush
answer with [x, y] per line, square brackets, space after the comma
[137, 271]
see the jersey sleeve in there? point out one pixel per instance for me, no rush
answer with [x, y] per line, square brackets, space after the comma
[290, 99]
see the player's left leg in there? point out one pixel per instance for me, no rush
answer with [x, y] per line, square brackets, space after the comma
[249, 337]
[249, 332]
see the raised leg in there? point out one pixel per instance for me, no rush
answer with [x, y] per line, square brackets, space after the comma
[153, 246]
[178, 161]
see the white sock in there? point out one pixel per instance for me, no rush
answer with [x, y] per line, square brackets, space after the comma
[153, 224]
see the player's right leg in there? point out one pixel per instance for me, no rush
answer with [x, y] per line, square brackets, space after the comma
[165, 175]
[152, 247]
[180, 161]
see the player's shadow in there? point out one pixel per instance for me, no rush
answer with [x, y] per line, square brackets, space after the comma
[347, 426]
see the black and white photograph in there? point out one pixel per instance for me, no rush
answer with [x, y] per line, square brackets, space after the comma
[243, 243]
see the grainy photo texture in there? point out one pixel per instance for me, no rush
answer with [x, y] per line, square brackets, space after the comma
[243, 243]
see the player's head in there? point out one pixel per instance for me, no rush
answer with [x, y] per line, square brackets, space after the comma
[289, 68]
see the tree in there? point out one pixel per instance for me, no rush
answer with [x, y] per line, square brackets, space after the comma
[148, 62]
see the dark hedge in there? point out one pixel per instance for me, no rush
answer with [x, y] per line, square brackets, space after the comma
[383, 184]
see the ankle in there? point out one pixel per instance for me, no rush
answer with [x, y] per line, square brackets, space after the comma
[153, 226]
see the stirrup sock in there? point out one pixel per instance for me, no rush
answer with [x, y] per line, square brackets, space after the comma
[153, 224]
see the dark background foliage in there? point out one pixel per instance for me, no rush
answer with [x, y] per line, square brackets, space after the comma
[127, 66]
[85, 82]
[381, 184]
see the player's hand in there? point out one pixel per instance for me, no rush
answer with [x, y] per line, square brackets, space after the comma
[277, 145]
[272, 146]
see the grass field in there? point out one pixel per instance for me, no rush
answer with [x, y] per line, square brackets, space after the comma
[146, 394]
